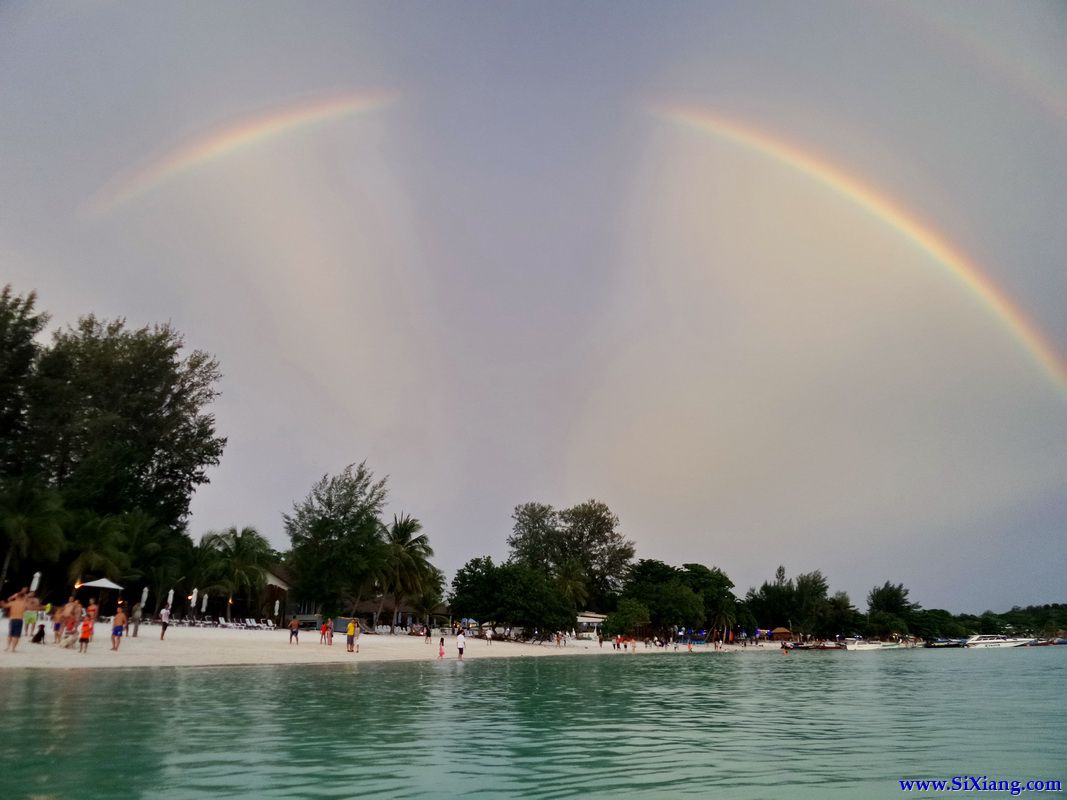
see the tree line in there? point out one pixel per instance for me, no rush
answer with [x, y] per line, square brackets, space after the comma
[106, 433]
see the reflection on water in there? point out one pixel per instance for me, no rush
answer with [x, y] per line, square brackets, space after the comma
[809, 724]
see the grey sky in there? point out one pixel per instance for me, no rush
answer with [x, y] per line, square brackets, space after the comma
[517, 281]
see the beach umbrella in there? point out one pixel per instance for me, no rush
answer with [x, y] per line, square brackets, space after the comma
[170, 597]
[36, 580]
[101, 583]
[144, 596]
[203, 605]
[276, 608]
[192, 600]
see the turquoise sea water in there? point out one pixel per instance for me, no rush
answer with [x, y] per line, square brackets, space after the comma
[665, 725]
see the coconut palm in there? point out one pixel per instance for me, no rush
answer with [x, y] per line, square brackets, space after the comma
[723, 615]
[244, 557]
[431, 595]
[570, 580]
[31, 516]
[100, 544]
[407, 554]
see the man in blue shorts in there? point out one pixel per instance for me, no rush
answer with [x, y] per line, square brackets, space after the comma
[16, 606]
[118, 624]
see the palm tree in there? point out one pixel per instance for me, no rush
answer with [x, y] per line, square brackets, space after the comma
[570, 579]
[144, 538]
[407, 561]
[30, 514]
[723, 615]
[100, 544]
[244, 557]
[431, 595]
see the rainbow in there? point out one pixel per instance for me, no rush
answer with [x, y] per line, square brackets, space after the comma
[223, 142]
[882, 208]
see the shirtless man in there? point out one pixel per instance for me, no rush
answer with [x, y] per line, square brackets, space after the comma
[118, 623]
[16, 606]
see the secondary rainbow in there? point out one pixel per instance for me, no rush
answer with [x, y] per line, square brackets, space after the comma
[878, 205]
[226, 140]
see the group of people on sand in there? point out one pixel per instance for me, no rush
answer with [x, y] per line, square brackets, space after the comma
[352, 631]
[72, 623]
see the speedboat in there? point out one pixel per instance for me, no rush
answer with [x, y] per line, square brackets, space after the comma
[863, 644]
[996, 640]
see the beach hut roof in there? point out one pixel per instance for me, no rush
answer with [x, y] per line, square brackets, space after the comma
[781, 630]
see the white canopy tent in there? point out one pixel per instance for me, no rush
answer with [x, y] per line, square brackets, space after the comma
[100, 583]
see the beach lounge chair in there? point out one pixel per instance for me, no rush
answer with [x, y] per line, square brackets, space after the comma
[269, 624]
[251, 624]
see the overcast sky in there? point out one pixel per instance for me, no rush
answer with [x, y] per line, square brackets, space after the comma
[478, 245]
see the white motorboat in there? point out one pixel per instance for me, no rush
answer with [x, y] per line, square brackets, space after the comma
[863, 644]
[991, 640]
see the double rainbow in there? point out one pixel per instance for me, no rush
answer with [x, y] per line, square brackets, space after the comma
[225, 141]
[1007, 313]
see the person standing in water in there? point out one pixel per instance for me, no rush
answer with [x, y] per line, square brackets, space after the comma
[461, 643]
[441, 651]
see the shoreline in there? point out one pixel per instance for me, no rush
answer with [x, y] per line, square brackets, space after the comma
[212, 647]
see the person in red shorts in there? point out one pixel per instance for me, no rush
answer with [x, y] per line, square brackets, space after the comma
[86, 634]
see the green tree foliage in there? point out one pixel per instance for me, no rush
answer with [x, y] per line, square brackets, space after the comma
[591, 537]
[243, 558]
[337, 538]
[19, 325]
[583, 541]
[535, 537]
[510, 594]
[31, 523]
[775, 603]
[668, 595]
[526, 598]
[117, 419]
[715, 589]
[406, 566]
[475, 590]
[98, 546]
[891, 599]
[628, 619]
[810, 592]
[842, 618]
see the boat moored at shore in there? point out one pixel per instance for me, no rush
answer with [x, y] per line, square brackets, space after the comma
[996, 640]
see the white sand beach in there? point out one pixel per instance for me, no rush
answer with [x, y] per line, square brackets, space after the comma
[202, 647]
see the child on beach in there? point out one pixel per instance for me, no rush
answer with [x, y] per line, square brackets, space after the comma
[322, 633]
[87, 634]
[441, 652]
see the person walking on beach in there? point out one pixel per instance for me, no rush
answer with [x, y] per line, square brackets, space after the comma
[322, 632]
[461, 643]
[489, 637]
[350, 634]
[29, 616]
[294, 630]
[164, 621]
[16, 607]
[441, 651]
[426, 634]
[138, 612]
[118, 627]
